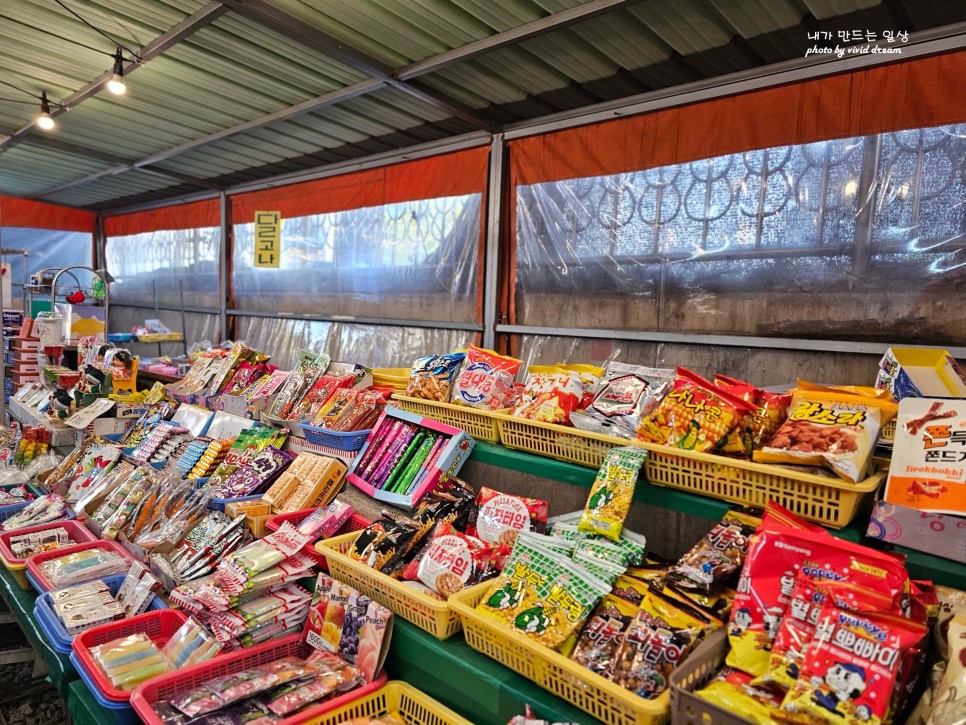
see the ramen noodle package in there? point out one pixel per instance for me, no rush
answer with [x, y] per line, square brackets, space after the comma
[453, 561]
[499, 516]
[610, 496]
[718, 555]
[831, 428]
[486, 379]
[695, 415]
[850, 668]
[626, 394]
[552, 393]
[432, 376]
[649, 653]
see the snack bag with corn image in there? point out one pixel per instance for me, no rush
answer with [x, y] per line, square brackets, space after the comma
[610, 496]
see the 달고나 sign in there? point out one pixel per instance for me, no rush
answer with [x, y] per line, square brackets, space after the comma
[268, 239]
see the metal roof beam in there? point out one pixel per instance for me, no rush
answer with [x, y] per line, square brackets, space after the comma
[546, 24]
[269, 16]
[207, 15]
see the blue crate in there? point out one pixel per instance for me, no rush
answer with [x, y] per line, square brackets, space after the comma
[122, 711]
[7, 511]
[343, 441]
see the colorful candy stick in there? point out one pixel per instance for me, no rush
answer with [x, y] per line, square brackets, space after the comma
[430, 459]
[406, 478]
[388, 435]
[400, 465]
[392, 457]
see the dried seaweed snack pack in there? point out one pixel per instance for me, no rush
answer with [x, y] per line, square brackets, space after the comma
[949, 701]
[648, 655]
[718, 555]
[611, 495]
[850, 668]
[432, 376]
[527, 568]
[733, 690]
[499, 517]
[626, 394]
[695, 415]
[775, 556]
[837, 430]
[380, 541]
[603, 634]
[485, 379]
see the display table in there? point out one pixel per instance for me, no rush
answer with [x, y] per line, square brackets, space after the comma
[156, 377]
[84, 709]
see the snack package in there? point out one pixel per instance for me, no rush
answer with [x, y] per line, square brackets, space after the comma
[485, 379]
[835, 429]
[611, 495]
[949, 700]
[738, 441]
[527, 568]
[719, 554]
[695, 415]
[626, 394]
[384, 539]
[128, 661]
[498, 517]
[432, 376]
[649, 653]
[453, 561]
[551, 394]
[733, 690]
[850, 668]
[603, 635]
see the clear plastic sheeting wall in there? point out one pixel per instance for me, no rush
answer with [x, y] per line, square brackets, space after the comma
[409, 260]
[164, 261]
[856, 238]
[199, 327]
[45, 248]
[370, 345]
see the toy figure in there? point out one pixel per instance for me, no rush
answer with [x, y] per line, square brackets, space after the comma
[61, 402]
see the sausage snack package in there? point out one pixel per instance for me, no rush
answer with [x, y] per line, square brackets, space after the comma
[486, 379]
[612, 492]
[626, 394]
[718, 555]
[831, 428]
[695, 415]
[850, 668]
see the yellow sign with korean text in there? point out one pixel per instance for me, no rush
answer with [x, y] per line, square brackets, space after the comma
[268, 239]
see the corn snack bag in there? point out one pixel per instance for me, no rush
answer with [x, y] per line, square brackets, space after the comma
[432, 376]
[551, 394]
[590, 376]
[603, 634]
[527, 568]
[486, 379]
[695, 415]
[734, 691]
[838, 430]
[850, 668]
[738, 441]
[719, 554]
[610, 496]
[649, 653]
[626, 394]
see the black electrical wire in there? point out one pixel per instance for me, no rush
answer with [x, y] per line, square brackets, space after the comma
[98, 30]
[54, 35]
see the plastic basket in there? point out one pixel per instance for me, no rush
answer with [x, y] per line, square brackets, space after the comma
[354, 523]
[121, 712]
[601, 698]
[480, 424]
[218, 504]
[14, 507]
[160, 625]
[348, 441]
[171, 685]
[415, 707]
[42, 583]
[53, 627]
[693, 674]
[556, 441]
[76, 533]
[424, 611]
[69, 514]
[829, 501]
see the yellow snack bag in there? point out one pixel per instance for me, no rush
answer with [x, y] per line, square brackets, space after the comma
[610, 496]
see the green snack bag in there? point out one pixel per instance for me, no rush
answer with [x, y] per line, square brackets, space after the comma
[613, 490]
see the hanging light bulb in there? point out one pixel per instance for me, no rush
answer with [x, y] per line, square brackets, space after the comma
[44, 120]
[116, 83]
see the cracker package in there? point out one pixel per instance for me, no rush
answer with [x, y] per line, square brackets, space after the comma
[610, 496]
[719, 554]
[486, 379]
[432, 376]
[453, 561]
[551, 394]
[498, 517]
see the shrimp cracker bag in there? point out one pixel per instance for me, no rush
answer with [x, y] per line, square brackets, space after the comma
[610, 497]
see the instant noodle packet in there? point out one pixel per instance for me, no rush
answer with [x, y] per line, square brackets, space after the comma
[831, 428]
[486, 379]
[612, 492]
[695, 415]
[850, 668]
[718, 555]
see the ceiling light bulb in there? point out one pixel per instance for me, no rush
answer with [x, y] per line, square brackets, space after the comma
[44, 120]
[116, 84]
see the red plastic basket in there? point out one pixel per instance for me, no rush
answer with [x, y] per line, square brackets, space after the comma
[354, 523]
[169, 686]
[34, 562]
[76, 534]
[160, 625]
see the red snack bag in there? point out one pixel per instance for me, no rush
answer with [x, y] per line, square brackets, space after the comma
[486, 379]
[552, 393]
[499, 516]
[453, 561]
[696, 415]
[738, 441]
[850, 668]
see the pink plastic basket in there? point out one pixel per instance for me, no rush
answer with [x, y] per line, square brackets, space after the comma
[169, 686]
[76, 534]
[354, 523]
[34, 562]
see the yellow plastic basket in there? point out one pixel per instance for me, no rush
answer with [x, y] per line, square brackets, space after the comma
[556, 441]
[480, 424]
[601, 698]
[829, 501]
[424, 611]
[415, 707]
[19, 573]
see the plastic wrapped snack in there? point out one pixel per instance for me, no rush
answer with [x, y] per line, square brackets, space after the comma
[626, 394]
[949, 701]
[453, 561]
[719, 554]
[551, 394]
[432, 376]
[82, 566]
[498, 517]
[603, 635]
[486, 379]
[732, 690]
[611, 495]
[638, 666]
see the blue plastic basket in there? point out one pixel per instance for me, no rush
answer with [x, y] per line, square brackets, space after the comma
[218, 504]
[349, 441]
[7, 511]
[13, 508]
[54, 629]
[122, 711]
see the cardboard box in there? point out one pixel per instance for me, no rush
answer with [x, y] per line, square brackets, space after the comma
[256, 525]
[935, 534]
[448, 464]
[258, 507]
[920, 372]
[130, 410]
[928, 469]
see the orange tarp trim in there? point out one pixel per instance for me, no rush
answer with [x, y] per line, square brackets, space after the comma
[15, 212]
[194, 215]
[912, 94]
[461, 172]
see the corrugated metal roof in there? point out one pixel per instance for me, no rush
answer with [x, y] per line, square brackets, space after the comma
[245, 62]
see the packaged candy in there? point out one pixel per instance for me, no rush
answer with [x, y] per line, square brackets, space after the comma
[627, 393]
[50, 507]
[695, 415]
[82, 566]
[835, 429]
[649, 653]
[719, 554]
[432, 376]
[603, 635]
[551, 394]
[485, 379]
[453, 561]
[611, 495]
[498, 517]
[190, 645]
[733, 690]
[128, 661]
[850, 668]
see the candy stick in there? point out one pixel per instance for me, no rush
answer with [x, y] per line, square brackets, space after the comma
[380, 439]
[392, 456]
[402, 484]
[430, 460]
[397, 466]
[393, 434]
